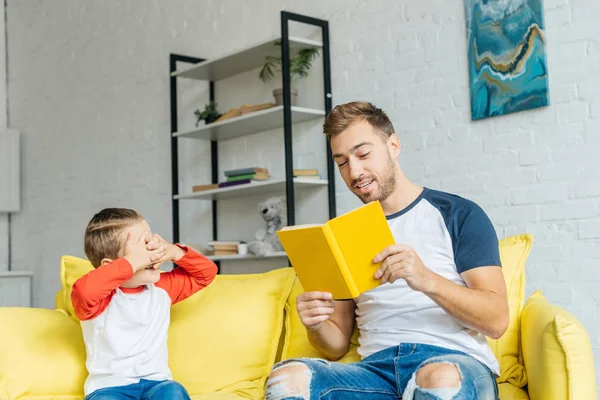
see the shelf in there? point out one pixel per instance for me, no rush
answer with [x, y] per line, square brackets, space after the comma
[16, 274]
[242, 60]
[279, 254]
[249, 189]
[248, 124]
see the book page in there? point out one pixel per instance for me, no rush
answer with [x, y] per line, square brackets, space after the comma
[295, 227]
[361, 234]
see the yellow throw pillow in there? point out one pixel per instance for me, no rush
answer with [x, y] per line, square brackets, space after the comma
[296, 342]
[557, 352]
[71, 269]
[43, 355]
[514, 252]
[225, 338]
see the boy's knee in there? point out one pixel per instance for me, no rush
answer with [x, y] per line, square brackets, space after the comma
[289, 380]
[170, 390]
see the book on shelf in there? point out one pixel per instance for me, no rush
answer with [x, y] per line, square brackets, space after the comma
[223, 252]
[236, 177]
[305, 172]
[244, 110]
[234, 183]
[211, 186]
[312, 174]
[223, 242]
[259, 176]
[201, 188]
[337, 256]
[308, 177]
[223, 245]
[246, 171]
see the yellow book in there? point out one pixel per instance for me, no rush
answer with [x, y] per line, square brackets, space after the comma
[337, 257]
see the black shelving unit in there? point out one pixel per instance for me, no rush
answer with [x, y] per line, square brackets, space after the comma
[233, 64]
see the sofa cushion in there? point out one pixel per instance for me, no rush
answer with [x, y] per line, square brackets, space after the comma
[514, 252]
[557, 352]
[43, 355]
[506, 391]
[296, 340]
[71, 269]
[225, 338]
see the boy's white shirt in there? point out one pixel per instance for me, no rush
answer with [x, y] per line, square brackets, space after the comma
[128, 340]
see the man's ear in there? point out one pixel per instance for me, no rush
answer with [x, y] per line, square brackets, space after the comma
[394, 145]
[105, 261]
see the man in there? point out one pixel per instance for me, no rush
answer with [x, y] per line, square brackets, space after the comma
[423, 330]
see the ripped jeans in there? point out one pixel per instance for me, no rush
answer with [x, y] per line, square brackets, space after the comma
[387, 374]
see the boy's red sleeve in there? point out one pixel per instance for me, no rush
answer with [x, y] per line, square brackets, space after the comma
[195, 273]
[92, 292]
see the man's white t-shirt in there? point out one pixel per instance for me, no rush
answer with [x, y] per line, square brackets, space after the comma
[451, 235]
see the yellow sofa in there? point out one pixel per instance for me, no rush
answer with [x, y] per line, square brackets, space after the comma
[224, 340]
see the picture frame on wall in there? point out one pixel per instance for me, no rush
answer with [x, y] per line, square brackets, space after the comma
[507, 60]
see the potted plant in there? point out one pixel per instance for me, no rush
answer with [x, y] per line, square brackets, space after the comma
[209, 115]
[299, 66]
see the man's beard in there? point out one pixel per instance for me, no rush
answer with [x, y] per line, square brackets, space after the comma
[385, 187]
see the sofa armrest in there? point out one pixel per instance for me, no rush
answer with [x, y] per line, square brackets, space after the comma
[557, 353]
[42, 355]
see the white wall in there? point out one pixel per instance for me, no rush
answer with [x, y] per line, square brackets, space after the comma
[88, 88]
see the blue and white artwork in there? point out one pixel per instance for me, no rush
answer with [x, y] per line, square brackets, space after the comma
[507, 56]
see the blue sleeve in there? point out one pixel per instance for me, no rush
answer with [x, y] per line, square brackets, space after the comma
[475, 244]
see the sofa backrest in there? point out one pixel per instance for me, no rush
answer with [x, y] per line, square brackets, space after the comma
[291, 336]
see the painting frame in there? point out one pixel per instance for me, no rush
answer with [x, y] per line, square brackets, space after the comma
[507, 61]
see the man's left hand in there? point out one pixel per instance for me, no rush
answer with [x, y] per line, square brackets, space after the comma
[402, 261]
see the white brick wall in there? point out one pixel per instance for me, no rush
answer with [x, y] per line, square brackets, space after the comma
[88, 88]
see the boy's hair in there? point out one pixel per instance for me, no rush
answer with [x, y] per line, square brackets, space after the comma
[344, 115]
[102, 239]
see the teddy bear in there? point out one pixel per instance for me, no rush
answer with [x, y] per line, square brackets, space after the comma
[274, 211]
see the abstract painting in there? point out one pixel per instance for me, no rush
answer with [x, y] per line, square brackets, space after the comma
[507, 56]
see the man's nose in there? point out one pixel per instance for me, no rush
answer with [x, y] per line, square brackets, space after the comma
[355, 168]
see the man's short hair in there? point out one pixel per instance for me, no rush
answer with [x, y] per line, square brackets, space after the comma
[344, 115]
[102, 235]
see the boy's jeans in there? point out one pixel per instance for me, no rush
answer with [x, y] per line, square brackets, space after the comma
[144, 390]
[387, 374]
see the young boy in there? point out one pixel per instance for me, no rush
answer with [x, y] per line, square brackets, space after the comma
[124, 306]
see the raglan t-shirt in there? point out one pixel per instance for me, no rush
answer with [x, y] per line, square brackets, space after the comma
[451, 235]
[125, 329]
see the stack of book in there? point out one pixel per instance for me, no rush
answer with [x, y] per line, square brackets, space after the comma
[244, 175]
[223, 247]
[236, 177]
[307, 174]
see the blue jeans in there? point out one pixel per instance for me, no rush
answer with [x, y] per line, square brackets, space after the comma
[144, 390]
[387, 374]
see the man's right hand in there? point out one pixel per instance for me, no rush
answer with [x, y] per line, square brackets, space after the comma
[314, 309]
